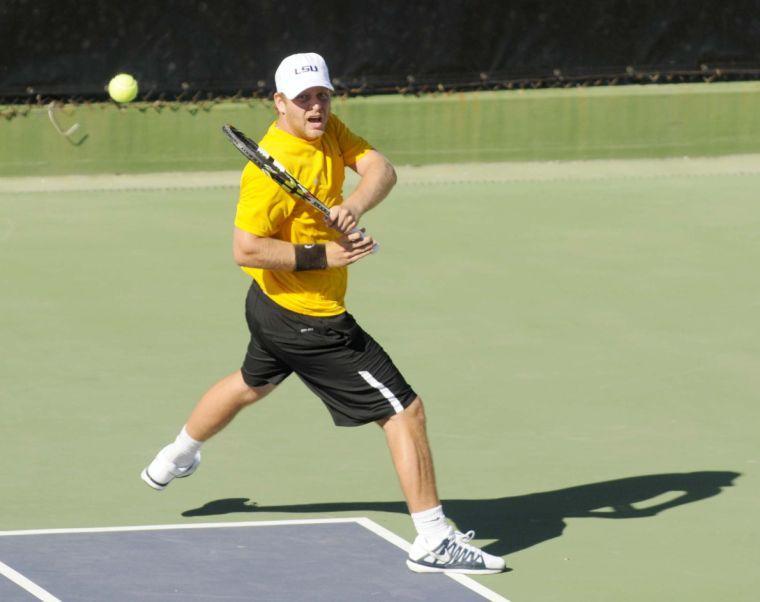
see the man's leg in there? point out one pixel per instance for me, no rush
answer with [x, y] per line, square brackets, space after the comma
[220, 405]
[215, 410]
[407, 440]
[438, 547]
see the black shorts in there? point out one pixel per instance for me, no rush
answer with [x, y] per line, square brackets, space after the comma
[343, 365]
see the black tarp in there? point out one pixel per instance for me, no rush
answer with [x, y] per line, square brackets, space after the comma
[62, 48]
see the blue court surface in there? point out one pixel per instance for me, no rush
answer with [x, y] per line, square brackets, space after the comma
[322, 560]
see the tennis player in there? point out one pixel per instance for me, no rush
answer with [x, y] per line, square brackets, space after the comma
[297, 317]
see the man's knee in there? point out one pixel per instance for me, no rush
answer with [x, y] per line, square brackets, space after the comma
[246, 394]
[412, 415]
[416, 411]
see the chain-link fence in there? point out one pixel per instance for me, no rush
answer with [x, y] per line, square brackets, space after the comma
[200, 51]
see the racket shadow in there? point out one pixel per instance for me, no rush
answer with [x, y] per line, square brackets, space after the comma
[520, 522]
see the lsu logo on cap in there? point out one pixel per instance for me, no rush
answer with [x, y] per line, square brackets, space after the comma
[298, 72]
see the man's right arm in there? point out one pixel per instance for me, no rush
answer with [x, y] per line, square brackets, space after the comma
[254, 251]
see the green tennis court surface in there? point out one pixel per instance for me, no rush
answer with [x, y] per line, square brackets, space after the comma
[586, 345]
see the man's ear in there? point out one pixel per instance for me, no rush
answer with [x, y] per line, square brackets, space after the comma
[279, 102]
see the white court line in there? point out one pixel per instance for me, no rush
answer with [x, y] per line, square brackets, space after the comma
[363, 521]
[24, 583]
[464, 580]
[263, 523]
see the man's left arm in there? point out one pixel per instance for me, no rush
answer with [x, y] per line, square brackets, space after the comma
[377, 179]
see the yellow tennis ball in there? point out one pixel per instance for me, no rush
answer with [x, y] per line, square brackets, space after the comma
[123, 88]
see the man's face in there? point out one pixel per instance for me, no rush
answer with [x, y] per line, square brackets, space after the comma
[305, 116]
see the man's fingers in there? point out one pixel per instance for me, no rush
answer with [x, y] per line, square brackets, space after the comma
[358, 244]
[360, 255]
[347, 225]
[367, 242]
[361, 241]
[341, 219]
[349, 249]
[356, 235]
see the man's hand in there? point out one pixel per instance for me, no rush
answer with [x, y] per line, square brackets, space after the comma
[348, 249]
[343, 218]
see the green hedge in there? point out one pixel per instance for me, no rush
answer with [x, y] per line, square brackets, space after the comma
[555, 124]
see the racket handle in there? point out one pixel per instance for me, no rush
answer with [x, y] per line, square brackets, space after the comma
[375, 247]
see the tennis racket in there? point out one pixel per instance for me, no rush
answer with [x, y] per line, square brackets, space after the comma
[271, 167]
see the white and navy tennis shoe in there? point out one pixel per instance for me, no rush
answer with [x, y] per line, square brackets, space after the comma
[162, 471]
[453, 555]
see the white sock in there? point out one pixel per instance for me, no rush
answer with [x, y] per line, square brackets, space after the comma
[432, 524]
[183, 450]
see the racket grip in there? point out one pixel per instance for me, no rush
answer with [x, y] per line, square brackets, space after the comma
[375, 247]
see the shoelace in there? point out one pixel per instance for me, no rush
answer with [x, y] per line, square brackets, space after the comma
[465, 538]
[457, 549]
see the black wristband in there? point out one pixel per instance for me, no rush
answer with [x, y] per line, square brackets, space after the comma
[310, 257]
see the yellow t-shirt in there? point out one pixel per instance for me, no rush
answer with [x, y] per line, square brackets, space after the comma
[264, 209]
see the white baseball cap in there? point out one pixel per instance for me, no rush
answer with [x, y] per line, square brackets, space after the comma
[298, 72]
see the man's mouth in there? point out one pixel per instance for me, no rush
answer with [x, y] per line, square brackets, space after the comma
[316, 120]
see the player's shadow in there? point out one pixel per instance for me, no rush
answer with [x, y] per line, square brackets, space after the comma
[519, 522]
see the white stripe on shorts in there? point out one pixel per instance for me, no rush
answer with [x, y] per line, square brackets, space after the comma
[383, 389]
